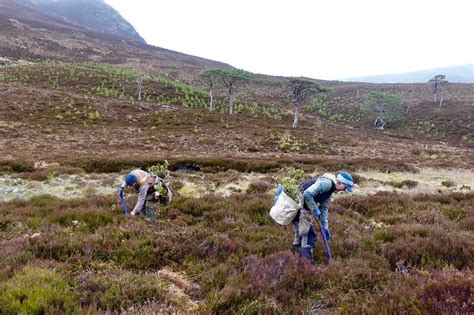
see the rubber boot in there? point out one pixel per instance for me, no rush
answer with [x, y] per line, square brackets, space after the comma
[295, 249]
[149, 213]
[307, 253]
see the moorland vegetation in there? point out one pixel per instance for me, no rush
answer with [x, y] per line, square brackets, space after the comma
[71, 105]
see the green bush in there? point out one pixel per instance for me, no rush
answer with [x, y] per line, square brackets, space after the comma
[291, 181]
[36, 291]
[388, 107]
[289, 144]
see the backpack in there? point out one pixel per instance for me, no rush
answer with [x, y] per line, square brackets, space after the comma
[305, 185]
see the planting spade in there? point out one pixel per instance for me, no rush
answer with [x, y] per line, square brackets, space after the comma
[124, 205]
[326, 245]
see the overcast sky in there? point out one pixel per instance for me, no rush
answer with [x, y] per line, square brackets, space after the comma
[331, 39]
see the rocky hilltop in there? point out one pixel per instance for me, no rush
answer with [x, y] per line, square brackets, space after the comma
[95, 15]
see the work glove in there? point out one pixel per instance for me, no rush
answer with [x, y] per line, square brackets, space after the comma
[327, 233]
[120, 191]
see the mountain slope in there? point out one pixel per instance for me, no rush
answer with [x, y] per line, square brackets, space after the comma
[94, 15]
[459, 74]
[32, 35]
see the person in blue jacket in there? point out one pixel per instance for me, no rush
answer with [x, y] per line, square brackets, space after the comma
[316, 196]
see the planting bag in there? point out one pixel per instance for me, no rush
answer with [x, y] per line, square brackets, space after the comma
[284, 210]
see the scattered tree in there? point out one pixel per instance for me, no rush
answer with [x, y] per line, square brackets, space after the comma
[210, 77]
[300, 90]
[388, 109]
[231, 79]
[437, 82]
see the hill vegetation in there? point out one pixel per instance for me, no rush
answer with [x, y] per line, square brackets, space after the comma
[393, 253]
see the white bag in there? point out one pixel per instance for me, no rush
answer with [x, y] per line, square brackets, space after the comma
[284, 210]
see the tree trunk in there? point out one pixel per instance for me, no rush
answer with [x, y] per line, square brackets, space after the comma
[297, 116]
[231, 104]
[231, 99]
[139, 82]
[210, 102]
[441, 101]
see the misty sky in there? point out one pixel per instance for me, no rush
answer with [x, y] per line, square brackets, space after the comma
[320, 39]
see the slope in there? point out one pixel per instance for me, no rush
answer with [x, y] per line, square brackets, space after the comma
[28, 34]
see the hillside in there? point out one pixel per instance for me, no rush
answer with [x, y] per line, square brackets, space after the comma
[29, 34]
[94, 15]
[458, 74]
[71, 127]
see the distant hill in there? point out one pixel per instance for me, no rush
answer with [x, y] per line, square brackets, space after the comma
[458, 74]
[94, 15]
[27, 33]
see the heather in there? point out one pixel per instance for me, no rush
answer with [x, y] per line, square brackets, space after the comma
[393, 253]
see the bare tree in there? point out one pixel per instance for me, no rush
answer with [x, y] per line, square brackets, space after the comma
[437, 82]
[301, 89]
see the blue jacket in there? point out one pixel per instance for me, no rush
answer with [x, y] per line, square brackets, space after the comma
[319, 194]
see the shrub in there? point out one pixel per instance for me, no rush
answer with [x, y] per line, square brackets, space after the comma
[90, 219]
[448, 183]
[259, 187]
[160, 170]
[435, 251]
[281, 275]
[444, 291]
[397, 297]
[388, 107]
[118, 290]
[448, 292]
[36, 291]
[405, 183]
[382, 202]
[289, 144]
[291, 182]
[467, 223]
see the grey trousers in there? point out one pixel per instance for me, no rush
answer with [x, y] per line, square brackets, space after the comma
[306, 240]
[299, 240]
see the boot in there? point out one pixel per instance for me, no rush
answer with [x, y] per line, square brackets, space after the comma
[307, 253]
[295, 249]
[149, 213]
